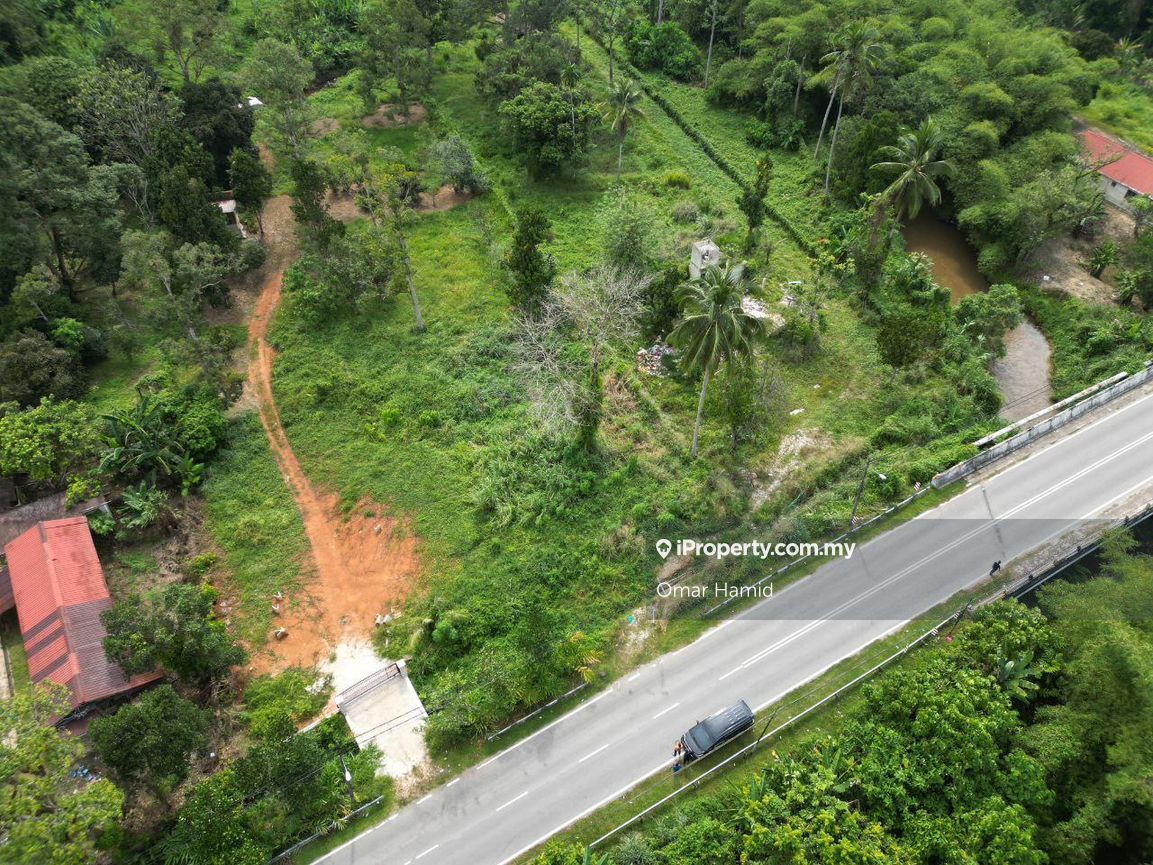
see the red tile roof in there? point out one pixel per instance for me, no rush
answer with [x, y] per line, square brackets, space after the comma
[1127, 167]
[60, 592]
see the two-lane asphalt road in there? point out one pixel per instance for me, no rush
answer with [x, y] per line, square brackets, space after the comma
[501, 808]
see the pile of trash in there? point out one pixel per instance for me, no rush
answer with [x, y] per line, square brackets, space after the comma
[651, 360]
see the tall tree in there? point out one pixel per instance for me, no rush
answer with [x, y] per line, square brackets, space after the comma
[624, 110]
[52, 191]
[282, 77]
[397, 47]
[713, 9]
[150, 740]
[715, 328]
[531, 270]
[595, 309]
[915, 159]
[219, 119]
[121, 113]
[854, 60]
[47, 816]
[384, 194]
[310, 190]
[187, 28]
[174, 628]
[753, 197]
[612, 19]
[251, 183]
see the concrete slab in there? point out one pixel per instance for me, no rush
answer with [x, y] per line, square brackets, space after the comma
[384, 709]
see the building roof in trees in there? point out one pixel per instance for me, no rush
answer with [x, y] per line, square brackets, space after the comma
[15, 522]
[60, 593]
[1118, 162]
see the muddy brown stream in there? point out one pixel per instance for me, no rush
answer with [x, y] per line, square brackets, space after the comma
[1023, 373]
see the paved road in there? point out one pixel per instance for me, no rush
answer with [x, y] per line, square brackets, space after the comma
[499, 809]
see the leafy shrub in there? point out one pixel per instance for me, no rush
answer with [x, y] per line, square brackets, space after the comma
[760, 133]
[664, 47]
[677, 180]
[274, 703]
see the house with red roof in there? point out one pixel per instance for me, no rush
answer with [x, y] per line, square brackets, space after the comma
[1125, 172]
[58, 588]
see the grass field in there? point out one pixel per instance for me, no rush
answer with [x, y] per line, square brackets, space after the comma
[434, 428]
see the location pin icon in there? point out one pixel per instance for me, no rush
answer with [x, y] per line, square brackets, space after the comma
[664, 546]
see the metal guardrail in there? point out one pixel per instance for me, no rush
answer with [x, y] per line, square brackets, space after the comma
[845, 534]
[1016, 589]
[1096, 399]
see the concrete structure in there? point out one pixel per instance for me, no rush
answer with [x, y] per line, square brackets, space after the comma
[704, 255]
[615, 738]
[59, 591]
[1124, 172]
[385, 710]
[228, 208]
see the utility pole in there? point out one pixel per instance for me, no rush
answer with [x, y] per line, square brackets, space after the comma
[348, 781]
[765, 728]
[860, 489]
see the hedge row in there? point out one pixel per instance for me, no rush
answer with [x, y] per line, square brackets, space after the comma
[711, 152]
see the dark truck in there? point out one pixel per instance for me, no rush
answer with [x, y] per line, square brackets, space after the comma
[717, 729]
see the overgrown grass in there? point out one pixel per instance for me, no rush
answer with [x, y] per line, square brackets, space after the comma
[14, 646]
[1124, 109]
[252, 517]
[1090, 342]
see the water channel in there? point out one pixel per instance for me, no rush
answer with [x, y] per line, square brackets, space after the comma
[1023, 373]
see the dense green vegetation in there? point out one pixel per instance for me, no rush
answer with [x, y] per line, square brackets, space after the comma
[1018, 739]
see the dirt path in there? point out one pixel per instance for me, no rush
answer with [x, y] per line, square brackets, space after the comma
[365, 563]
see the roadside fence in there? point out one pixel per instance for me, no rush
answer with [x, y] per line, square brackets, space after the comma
[1078, 405]
[1016, 589]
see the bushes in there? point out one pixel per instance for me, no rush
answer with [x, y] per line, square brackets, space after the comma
[663, 47]
[1090, 342]
[276, 703]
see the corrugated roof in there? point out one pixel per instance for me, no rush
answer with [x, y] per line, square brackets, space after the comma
[60, 592]
[1118, 162]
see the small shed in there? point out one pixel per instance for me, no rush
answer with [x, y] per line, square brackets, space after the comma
[705, 254]
[228, 208]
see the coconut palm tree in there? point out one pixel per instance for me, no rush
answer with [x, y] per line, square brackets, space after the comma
[570, 78]
[715, 327]
[916, 160]
[853, 60]
[624, 109]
